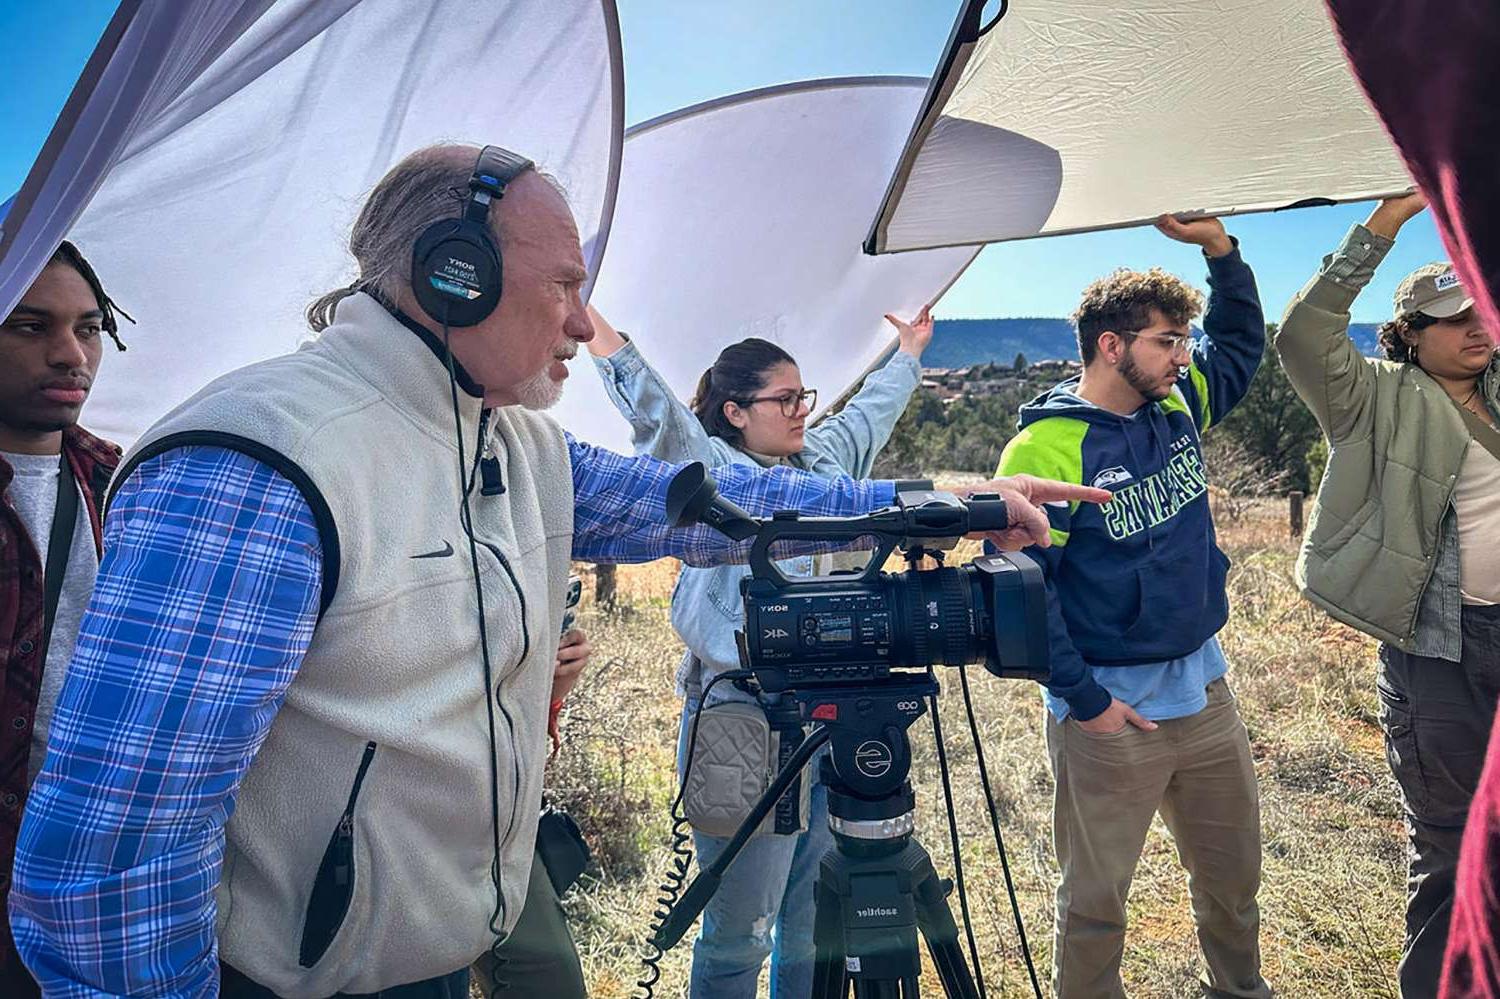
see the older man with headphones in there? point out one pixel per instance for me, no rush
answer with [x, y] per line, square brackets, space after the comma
[300, 751]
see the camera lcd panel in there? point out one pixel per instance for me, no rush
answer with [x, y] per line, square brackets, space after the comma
[834, 628]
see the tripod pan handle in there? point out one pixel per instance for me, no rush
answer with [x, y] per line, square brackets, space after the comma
[686, 910]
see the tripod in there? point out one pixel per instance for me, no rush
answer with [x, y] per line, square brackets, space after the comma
[877, 888]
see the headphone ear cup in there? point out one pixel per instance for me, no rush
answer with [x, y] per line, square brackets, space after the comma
[456, 272]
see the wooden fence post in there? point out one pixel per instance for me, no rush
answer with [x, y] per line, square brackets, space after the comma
[604, 585]
[1296, 513]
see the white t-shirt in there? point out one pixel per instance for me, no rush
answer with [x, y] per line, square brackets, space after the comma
[33, 492]
[1477, 500]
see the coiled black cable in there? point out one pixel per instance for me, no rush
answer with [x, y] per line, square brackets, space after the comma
[669, 890]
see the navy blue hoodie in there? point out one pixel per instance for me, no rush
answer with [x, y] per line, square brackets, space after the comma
[1141, 578]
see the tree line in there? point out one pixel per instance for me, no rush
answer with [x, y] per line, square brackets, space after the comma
[1270, 443]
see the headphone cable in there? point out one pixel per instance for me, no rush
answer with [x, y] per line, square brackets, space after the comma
[466, 484]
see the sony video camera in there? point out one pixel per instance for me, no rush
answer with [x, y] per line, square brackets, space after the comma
[852, 628]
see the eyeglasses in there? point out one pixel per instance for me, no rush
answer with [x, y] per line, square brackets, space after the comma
[1180, 342]
[791, 402]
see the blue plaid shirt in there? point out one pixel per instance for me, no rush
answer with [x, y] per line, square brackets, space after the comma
[206, 601]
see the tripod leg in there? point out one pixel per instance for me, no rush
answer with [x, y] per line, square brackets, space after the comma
[829, 980]
[885, 989]
[935, 921]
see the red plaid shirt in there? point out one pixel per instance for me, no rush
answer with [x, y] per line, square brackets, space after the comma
[21, 599]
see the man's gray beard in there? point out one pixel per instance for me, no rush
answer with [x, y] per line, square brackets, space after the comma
[539, 391]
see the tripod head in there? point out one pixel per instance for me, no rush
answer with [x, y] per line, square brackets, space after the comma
[870, 753]
[866, 773]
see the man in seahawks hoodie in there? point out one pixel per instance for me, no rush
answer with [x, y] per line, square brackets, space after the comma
[1140, 719]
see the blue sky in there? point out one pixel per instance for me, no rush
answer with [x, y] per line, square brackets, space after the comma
[680, 52]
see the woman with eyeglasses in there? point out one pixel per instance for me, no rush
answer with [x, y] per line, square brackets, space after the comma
[751, 408]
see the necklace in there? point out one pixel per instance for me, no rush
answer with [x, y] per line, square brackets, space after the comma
[1483, 412]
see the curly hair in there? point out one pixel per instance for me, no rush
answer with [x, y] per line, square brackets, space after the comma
[1123, 301]
[1392, 336]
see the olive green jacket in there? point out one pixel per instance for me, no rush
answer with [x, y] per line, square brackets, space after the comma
[1381, 550]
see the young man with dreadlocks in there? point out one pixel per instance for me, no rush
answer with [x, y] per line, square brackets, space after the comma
[52, 479]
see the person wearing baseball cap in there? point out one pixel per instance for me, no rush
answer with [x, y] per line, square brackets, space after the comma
[1404, 539]
[1434, 291]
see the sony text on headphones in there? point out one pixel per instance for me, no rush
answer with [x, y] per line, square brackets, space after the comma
[456, 272]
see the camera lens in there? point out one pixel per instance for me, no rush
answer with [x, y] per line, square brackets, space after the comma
[939, 616]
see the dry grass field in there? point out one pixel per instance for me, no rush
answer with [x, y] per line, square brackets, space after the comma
[1333, 885]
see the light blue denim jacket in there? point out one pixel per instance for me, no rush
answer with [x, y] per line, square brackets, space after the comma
[706, 607]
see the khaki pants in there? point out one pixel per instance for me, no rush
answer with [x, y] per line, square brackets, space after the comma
[1197, 772]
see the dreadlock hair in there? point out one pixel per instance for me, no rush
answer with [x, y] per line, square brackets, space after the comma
[1392, 336]
[67, 253]
[739, 372]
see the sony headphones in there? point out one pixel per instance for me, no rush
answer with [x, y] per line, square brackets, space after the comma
[456, 277]
[456, 273]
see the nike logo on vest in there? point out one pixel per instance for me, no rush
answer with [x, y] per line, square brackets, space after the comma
[442, 552]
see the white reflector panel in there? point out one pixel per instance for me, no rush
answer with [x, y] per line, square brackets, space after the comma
[1073, 115]
[743, 217]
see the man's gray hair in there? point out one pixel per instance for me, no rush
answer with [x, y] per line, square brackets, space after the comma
[427, 186]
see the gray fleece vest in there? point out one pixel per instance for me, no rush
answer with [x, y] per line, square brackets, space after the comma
[358, 856]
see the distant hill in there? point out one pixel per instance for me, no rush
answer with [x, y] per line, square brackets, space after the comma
[958, 343]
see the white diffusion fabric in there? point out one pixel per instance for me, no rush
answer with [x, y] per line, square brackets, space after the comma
[743, 217]
[149, 54]
[227, 209]
[1071, 115]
